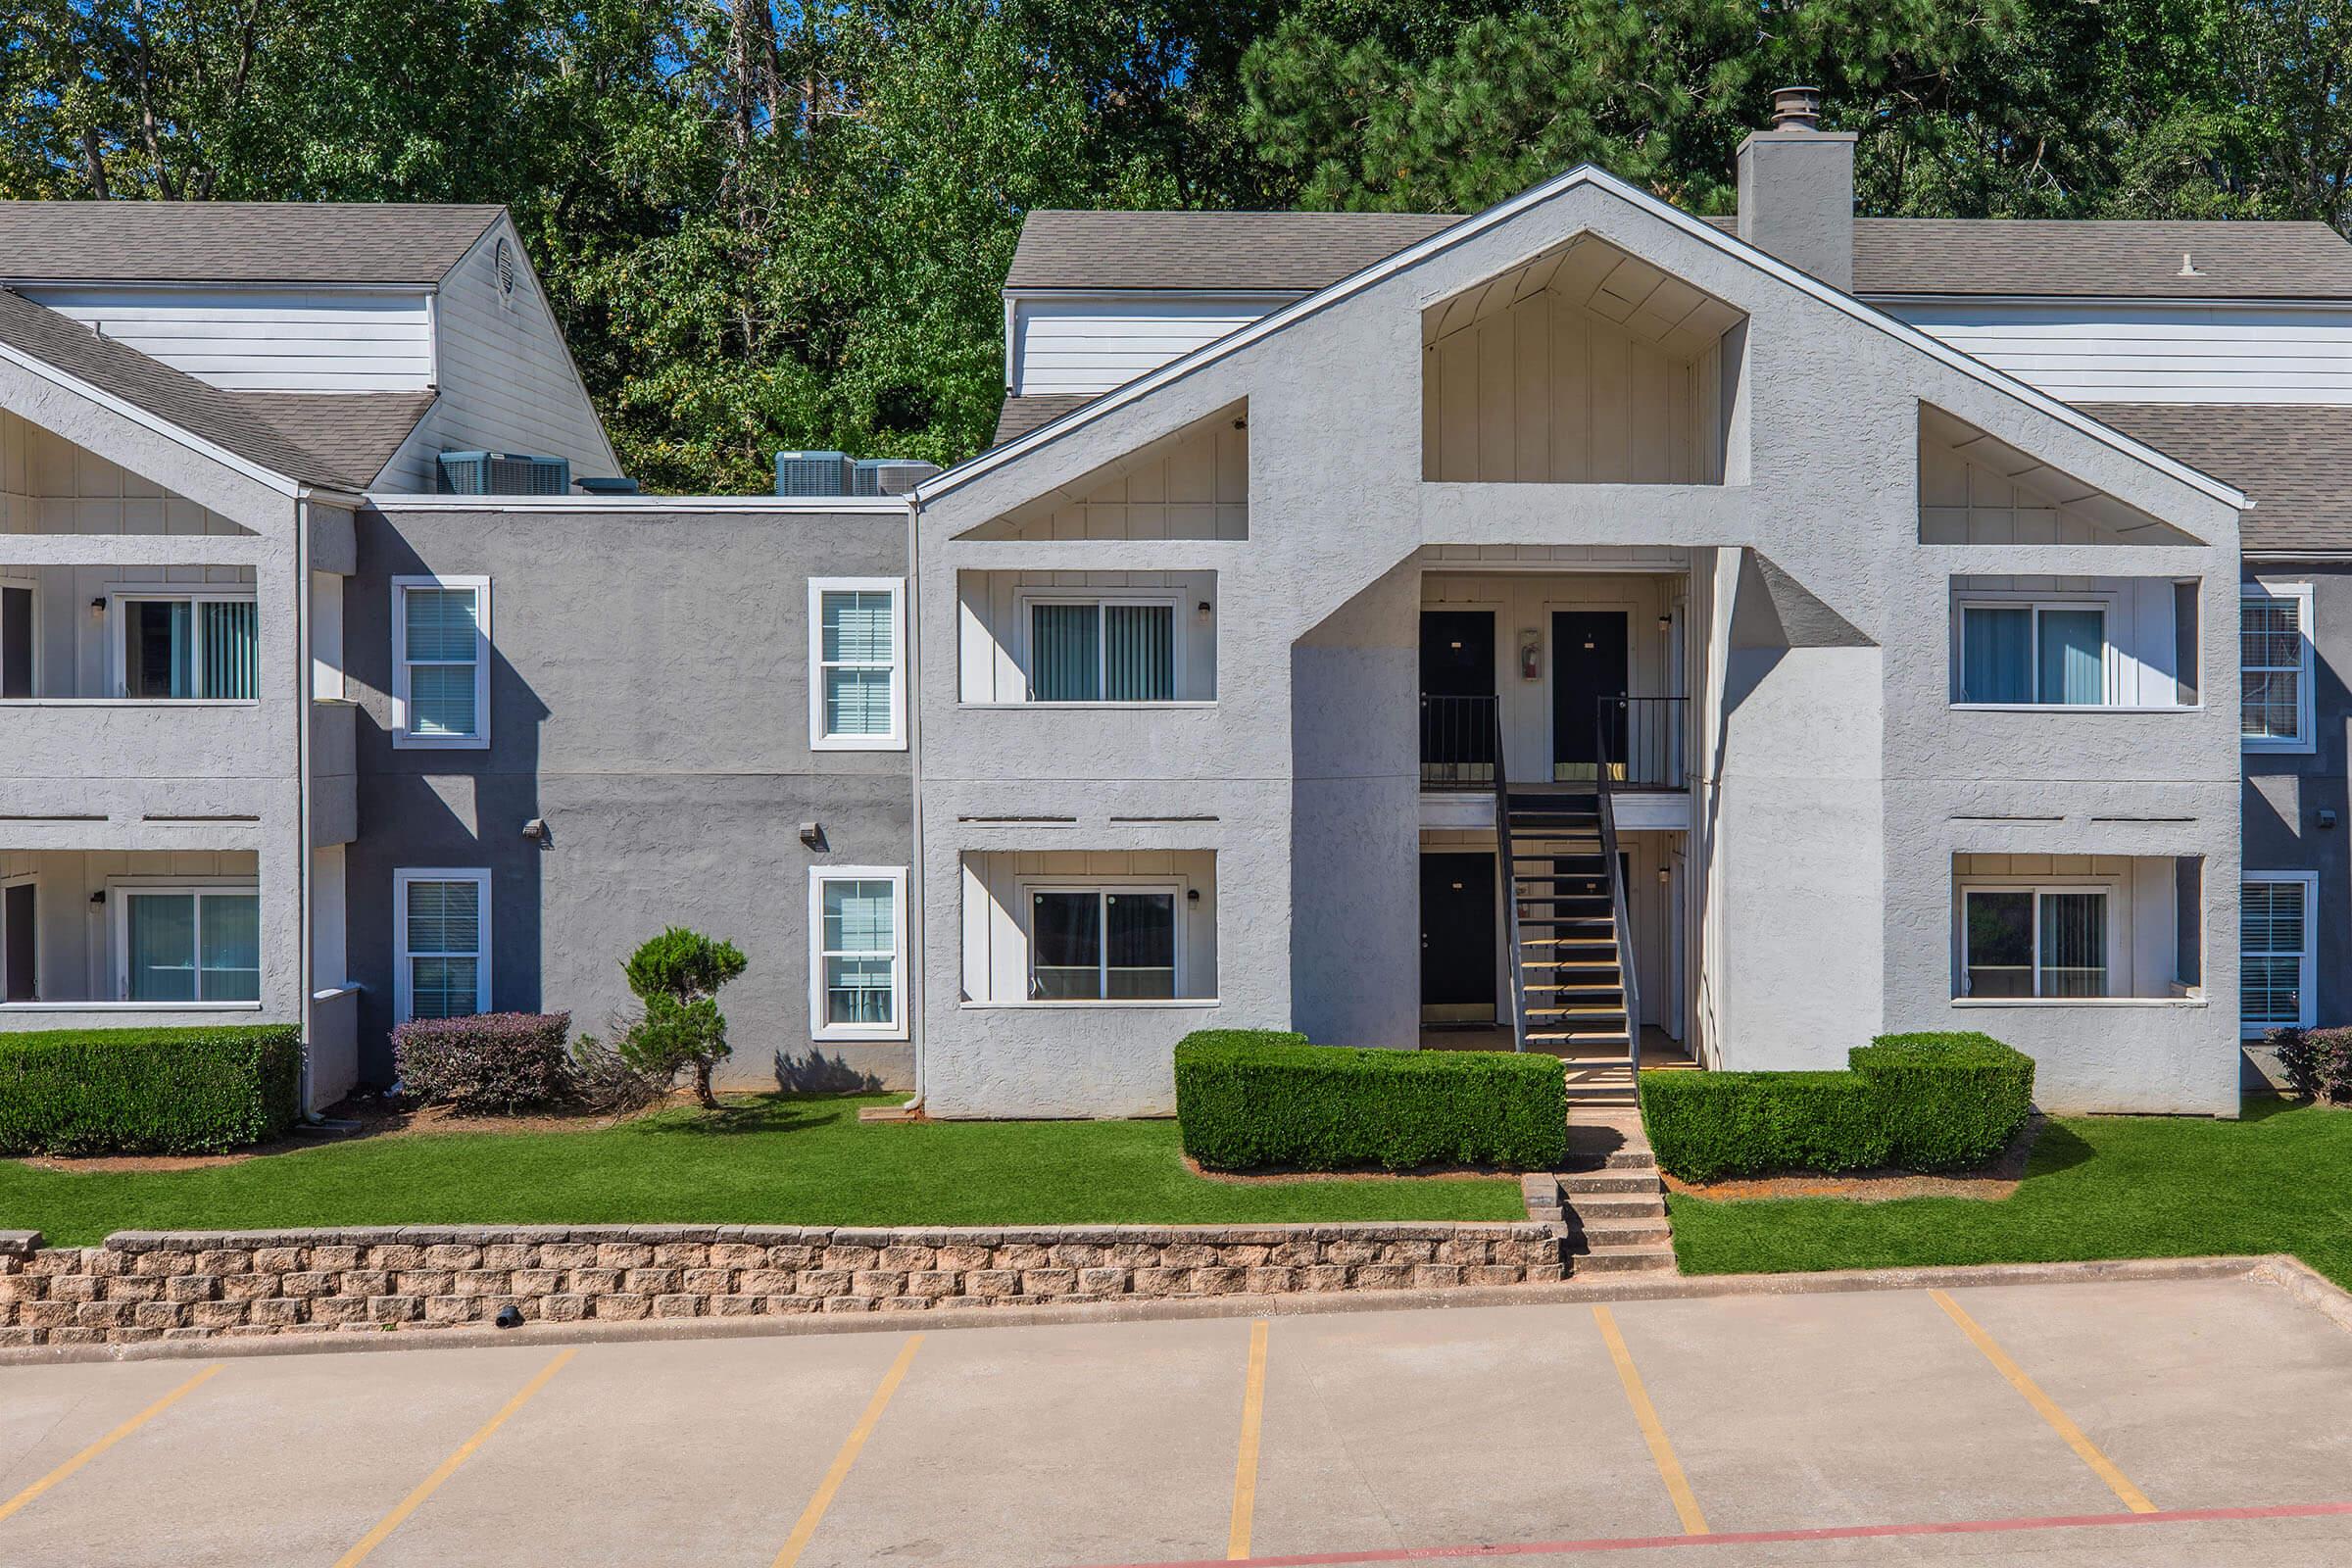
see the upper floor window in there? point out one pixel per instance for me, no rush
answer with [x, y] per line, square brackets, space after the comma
[856, 655]
[2037, 653]
[2274, 637]
[1101, 651]
[175, 646]
[441, 661]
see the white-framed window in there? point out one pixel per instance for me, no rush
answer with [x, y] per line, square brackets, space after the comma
[2274, 641]
[441, 927]
[183, 942]
[441, 662]
[2277, 952]
[2048, 942]
[2036, 653]
[1102, 649]
[19, 637]
[857, 952]
[1105, 942]
[857, 665]
[20, 939]
[174, 645]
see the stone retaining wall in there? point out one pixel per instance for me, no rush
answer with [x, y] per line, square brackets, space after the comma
[193, 1285]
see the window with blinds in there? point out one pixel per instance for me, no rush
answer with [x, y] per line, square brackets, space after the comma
[2037, 654]
[857, 952]
[1104, 944]
[440, 670]
[1101, 651]
[2035, 942]
[173, 648]
[2275, 665]
[856, 654]
[2275, 952]
[443, 926]
[187, 943]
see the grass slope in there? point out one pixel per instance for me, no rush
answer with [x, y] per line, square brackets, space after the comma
[2278, 1181]
[771, 1160]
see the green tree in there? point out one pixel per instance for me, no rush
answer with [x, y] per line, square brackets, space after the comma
[677, 976]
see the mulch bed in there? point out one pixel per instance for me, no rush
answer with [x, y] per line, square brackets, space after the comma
[1991, 1182]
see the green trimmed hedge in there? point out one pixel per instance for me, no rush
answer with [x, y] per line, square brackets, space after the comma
[193, 1091]
[1265, 1100]
[1918, 1101]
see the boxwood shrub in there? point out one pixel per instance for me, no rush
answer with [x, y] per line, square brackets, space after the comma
[1264, 1100]
[189, 1091]
[486, 1063]
[1918, 1101]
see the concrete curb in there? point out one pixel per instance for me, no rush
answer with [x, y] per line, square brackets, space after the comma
[2289, 1273]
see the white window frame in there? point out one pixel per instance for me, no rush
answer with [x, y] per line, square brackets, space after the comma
[33, 882]
[1026, 888]
[2110, 659]
[34, 588]
[2305, 738]
[402, 739]
[819, 740]
[119, 891]
[117, 668]
[2116, 946]
[2307, 980]
[819, 1027]
[404, 980]
[1025, 607]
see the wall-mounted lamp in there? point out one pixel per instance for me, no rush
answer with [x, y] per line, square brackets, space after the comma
[1203, 609]
[1664, 876]
[813, 834]
[1192, 895]
[98, 897]
[1666, 621]
[98, 605]
[535, 829]
[2326, 819]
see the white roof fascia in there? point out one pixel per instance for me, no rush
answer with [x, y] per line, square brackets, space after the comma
[1470, 227]
[405, 501]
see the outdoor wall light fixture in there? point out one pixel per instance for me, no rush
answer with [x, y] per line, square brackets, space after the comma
[98, 897]
[1203, 609]
[1192, 895]
[813, 834]
[1664, 876]
[1666, 621]
[535, 829]
[98, 605]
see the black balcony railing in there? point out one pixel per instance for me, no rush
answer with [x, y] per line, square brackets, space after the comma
[1458, 740]
[1640, 740]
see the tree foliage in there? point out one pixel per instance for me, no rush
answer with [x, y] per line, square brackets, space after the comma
[768, 224]
[675, 978]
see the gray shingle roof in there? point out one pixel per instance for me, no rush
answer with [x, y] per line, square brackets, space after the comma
[2289, 458]
[1020, 416]
[236, 242]
[1285, 251]
[253, 425]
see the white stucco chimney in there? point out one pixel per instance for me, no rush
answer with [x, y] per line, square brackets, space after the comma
[1796, 189]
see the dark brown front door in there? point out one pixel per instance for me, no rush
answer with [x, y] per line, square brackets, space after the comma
[1457, 935]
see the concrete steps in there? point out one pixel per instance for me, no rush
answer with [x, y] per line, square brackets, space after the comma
[1610, 1200]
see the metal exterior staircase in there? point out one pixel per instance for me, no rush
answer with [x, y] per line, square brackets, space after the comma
[1571, 958]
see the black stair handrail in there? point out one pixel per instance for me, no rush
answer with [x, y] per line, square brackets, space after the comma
[1640, 738]
[1604, 793]
[1507, 861]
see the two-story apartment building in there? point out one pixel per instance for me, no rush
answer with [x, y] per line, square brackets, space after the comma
[1577, 625]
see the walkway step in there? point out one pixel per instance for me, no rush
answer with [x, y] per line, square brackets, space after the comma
[1630, 1205]
[1624, 1260]
[1597, 1235]
[1577, 1183]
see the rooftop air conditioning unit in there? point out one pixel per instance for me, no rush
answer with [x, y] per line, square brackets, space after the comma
[812, 474]
[890, 476]
[503, 474]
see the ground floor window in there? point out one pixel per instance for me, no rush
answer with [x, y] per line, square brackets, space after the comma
[441, 920]
[189, 944]
[2035, 942]
[2276, 951]
[857, 958]
[1102, 943]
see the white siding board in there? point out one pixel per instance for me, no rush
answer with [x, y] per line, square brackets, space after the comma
[2156, 353]
[1095, 344]
[264, 340]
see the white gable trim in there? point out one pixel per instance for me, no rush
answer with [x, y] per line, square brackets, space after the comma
[1502, 212]
[268, 478]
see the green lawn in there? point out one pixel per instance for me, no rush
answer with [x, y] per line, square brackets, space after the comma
[2278, 1180]
[772, 1159]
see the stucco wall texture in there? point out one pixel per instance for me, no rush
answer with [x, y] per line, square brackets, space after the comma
[649, 703]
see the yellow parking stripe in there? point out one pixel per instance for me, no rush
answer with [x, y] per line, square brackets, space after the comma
[1245, 1461]
[449, 1466]
[798, 1542]
[2046, 1407]
[1646, 1417]
[103, 1444]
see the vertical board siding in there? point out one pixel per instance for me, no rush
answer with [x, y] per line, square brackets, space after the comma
[1964, 502]
[992, 633]
[2155, 353]
[254, 340]
[1544, 391]
[76, 937]
[1093, 345]
[1194, 487]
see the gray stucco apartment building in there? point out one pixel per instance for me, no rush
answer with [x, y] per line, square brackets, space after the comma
[1579, 625]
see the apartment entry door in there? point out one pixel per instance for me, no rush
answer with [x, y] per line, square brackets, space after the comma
[1457, 691]
[1458, 937]
[1590, 659]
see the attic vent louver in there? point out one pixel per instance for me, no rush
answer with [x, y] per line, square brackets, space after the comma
[503, 256]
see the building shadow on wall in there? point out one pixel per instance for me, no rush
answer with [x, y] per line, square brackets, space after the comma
[818, 1074]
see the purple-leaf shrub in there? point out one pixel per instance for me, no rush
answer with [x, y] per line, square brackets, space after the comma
[487, 1064]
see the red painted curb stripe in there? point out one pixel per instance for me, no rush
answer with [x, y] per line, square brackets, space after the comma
[1957, 1526]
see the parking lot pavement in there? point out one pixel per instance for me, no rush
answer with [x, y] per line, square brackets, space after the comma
[2144, 1423]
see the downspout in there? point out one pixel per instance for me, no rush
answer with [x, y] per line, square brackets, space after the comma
[304, 958]
[917, 993]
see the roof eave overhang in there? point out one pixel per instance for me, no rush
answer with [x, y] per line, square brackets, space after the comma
[2313, 301]
[1471, 227]
[268, 477]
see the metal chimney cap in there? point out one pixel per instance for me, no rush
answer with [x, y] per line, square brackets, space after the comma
[1796, 109]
